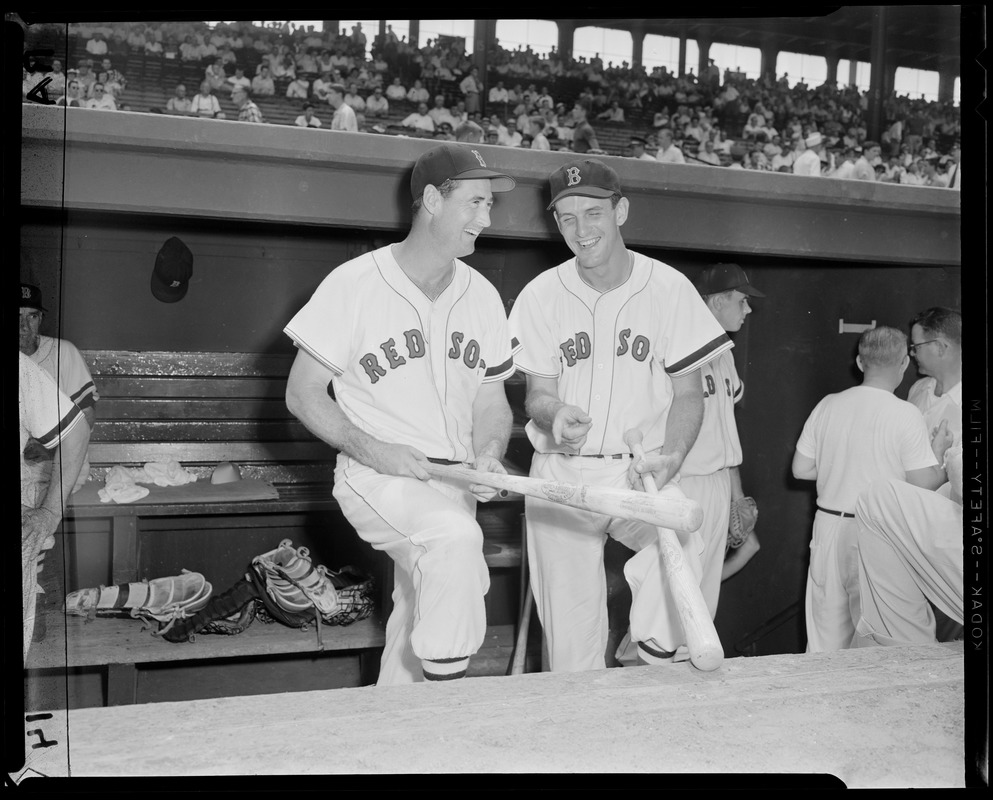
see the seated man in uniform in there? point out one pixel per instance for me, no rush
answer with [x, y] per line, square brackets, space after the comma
[418, 382]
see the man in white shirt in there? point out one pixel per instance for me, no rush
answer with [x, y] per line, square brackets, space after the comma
[419, 119]
[538, 139]
[510, 137]
[376, 105]
[417, 93]
[638, 145]
[101, 99]
[307, 118]
[809, 161]
[344, 116]
[864, 169]
[395, 91]
[439, 113]
[707, 154]
[669, 152]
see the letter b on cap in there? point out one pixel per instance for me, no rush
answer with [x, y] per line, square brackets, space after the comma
[572, 176]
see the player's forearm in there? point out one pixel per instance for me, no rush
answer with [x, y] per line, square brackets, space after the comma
[66, 463]
[541, 407]
[736, 490]
[682, 425]
[491, 429]
[324, 418]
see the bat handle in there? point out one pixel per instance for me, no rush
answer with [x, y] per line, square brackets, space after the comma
[633, 440]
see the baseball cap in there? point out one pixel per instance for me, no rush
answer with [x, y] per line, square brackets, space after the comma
[172, 272]
[814, 140]
[724, 277]
[31, 297]
[587, 177]
[455, 162]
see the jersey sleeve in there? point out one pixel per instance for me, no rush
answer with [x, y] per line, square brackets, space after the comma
[321, 328]
[48, 412]
[75, 376]
[690, 335]
[539, 353]
[501, 347]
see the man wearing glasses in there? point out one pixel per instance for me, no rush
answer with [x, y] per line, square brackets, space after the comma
[936, 346]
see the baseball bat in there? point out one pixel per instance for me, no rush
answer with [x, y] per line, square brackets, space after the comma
[521, 645]
[675, 513]
[702, 641]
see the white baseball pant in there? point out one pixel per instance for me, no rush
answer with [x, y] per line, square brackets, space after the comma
[429, 529]
[910, 551]
[832, 597]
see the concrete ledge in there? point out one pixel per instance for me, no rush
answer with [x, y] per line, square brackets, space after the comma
[162, 165]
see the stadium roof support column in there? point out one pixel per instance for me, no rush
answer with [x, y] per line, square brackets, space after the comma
[682, 55]
[484, 34]
[414, 32]
[331, 26]
[832, 57]
[947, 72]
[637, 45]
[703, 62]
[877, 77]
[770, 52]
[567, 31]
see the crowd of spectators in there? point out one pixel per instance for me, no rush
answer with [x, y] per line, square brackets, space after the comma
[526, 100]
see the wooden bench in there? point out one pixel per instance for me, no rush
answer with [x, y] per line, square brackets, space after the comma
[200, 409]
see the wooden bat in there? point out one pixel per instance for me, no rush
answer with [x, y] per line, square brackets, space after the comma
[521, 645]
[702, 641]
[676, 513]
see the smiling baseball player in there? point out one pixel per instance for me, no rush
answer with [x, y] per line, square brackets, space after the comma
[416, 347]
[611, 340]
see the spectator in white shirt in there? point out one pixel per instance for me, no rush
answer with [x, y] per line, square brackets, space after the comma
[669, 152]
[307, 118]
[708, 155]
[262, 84]
[101, 100]
[420, 119]
[238, 80]
[376, 105]
[395, 91]
[204, 104]
[417, 93]
[539, 141]
[298, 88]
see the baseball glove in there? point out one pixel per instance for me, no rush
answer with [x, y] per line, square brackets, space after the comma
[228, 613]
[163, 600]
[744, 514]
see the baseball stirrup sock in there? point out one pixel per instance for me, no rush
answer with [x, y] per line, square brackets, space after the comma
[651, 654]
[444, 669]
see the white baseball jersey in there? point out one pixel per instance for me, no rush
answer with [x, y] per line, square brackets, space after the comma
[717, 446]
[45, 413]
[860, 435]
[407, 369]
[613, 353]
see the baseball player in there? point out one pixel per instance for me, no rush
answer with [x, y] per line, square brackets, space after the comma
[709, 474]
[611, 340]
[415, 345]
[57, 424]
[61, 360]
[910, 555]
[851, 439]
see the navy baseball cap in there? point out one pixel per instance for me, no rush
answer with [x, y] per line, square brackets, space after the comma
[457, 163]
[173, 270]
[588, 178]
[31, 297]
[724, 277]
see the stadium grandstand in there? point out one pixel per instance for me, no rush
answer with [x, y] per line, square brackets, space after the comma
[724, 119]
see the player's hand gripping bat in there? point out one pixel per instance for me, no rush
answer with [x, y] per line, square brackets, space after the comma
[672, 512]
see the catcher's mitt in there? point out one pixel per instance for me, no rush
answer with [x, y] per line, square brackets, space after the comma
[163, 599]
[297, 593]
[229, 613]
[744, 513]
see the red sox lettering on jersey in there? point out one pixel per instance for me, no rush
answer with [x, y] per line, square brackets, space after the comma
[613, 353]
[409, 372]
[469, 354]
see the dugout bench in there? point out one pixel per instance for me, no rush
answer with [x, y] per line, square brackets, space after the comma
[201, 409]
